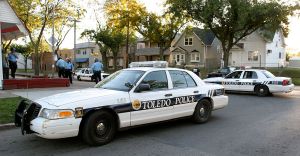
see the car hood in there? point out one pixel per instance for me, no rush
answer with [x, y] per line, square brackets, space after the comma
[78, 95]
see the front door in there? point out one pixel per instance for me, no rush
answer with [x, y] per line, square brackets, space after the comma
[153, 105]
[231, 81]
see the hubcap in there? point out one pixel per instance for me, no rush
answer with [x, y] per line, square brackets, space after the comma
[261, 90]
[202, 111]
[100, 128]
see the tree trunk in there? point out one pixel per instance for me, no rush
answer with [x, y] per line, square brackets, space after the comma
[26, 59]
[104, 60]
[37, 61]
[115, 55]
[161, 53]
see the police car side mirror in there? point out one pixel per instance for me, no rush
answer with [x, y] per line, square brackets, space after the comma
[142, 87]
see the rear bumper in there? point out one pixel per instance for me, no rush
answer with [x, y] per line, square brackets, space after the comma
[220, 101]
[54, 129]
[279, 88]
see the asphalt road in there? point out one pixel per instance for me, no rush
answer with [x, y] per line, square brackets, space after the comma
[250, 125]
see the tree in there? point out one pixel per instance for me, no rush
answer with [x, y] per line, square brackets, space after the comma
[124, 14]
[160, 29]
[5, 45]
[232, 20]
[36, 16]
[109, 40]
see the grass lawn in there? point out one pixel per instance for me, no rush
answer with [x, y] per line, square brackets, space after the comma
[7, 109]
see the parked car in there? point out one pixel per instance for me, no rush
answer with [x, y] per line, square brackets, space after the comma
[222, 72]
[127, 98]
[261, 82]
[87, 74]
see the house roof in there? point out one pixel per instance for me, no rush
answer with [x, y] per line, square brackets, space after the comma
[149, 51]
[207, 36]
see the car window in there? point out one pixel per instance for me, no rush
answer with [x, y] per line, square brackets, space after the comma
[250, 75]
[122, 80]
[178, 79]
[82, 71]
[157, 80]
[190, 81]
[268, 74]
[87, 71]
[234, 75]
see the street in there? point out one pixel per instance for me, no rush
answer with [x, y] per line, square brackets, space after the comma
[250, 125]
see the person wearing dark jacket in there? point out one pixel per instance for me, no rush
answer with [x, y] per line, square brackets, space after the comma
[12, 60]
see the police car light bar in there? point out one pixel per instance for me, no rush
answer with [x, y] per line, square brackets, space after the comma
[155, 64]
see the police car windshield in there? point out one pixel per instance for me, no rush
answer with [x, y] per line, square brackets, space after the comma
[268, 74]
[121, 80]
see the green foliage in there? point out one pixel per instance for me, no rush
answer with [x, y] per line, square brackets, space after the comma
[232, 20]
[8, 107]
[37, 16]
[160, 29]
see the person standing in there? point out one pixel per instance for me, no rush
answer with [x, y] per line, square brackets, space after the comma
[97, 68]
[60, 64]
[12, 60]
[68, 70]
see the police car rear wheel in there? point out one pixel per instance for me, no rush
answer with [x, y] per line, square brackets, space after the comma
[202, 111]
[262, 90]
[99, 128]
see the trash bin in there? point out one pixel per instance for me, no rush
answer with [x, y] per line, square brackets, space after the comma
[197, 71]
[5, 73]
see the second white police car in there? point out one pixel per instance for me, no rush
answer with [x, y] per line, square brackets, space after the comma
[127, 98]
[261, 82]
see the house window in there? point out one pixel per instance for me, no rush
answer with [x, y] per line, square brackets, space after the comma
[269, 51]
[252, 55]
[92, 51]
[84, 53]
[195, 57]
[279, 55]
[218, 49]
[188, 41]
[179, 58]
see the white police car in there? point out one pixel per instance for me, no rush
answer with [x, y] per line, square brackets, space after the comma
[87, 74]
[261, 82]
[127, 98]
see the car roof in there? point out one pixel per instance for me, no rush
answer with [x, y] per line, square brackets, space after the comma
[153, 69]
[250, 70]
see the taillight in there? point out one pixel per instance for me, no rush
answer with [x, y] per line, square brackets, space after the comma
[285, 82]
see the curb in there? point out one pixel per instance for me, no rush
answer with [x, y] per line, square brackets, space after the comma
[7, 126]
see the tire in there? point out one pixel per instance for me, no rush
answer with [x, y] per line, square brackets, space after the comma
[202, 111]
[262, 90]
[99, 128]
[78, 78]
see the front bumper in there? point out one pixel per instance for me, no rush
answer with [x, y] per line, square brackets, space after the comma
[54, 129]
[220, 101]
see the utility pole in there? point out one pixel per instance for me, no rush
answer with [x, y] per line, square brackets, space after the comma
[75, 43]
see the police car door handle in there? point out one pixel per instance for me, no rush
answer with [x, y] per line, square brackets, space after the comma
[196, 91]
[168, 95]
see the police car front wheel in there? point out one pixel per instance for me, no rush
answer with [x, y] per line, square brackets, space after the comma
[99, 128]
[202, 111]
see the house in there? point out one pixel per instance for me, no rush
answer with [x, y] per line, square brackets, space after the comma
[148, 51]
[195, 48]
[86, 53]
[262, 48]
[22, 62]
[10, 28]
[120, 62]
[294, 62]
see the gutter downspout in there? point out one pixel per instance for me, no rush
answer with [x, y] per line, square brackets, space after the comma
[1, 63]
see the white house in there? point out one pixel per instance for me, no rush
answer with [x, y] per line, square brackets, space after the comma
[260, 49]
[21, 62]
[10, 28]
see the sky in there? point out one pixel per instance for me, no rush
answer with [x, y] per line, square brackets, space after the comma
[89, 22]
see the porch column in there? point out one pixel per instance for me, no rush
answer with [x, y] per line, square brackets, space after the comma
[1, 65]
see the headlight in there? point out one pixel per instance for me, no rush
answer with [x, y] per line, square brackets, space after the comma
[56, 113]
[219, 92]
